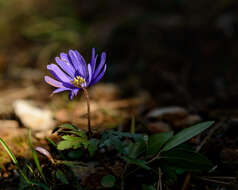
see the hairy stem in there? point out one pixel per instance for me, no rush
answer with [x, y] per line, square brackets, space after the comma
[90, 133]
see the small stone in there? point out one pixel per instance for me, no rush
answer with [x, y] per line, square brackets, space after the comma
[8, 124]
[32, 116]
[43, 134]
[158, 127]
[168, 113]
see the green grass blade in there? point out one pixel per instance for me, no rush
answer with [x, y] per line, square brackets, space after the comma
[12, 156]
[34, 154]
[133, 125]
[51, 142]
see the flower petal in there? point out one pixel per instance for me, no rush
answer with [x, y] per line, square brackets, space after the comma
[100, 66]
[65, 57]
[82, 62]
[89, 74]
[73, 93]
[66, 66]
[53, 82]
[77, 65]
[58, 73]
[93, 60]
[60, 90]
[98, 78]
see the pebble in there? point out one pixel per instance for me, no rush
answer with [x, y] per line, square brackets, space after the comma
[174, 116]
[33, 117]
[168, 112]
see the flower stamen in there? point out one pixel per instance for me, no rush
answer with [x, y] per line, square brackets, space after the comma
[78, 81]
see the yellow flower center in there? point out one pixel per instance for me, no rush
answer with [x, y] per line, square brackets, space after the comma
[78, 81]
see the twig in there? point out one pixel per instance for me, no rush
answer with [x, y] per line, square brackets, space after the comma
[214, 181]
[220, 177]
[159, 186]
[186, 181]
[210, 133]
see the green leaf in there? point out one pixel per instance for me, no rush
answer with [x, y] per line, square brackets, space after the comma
[67, 145]
[108, 181]
[141, 163]
[72, 142]
[92, 146]
[68, 126]
[75, 154]
[78, 133]
[41, 185]
[156, 141]
[113, 141]
[186, 134]
[12, 156]
[51, 142]
[185, 160]
[146, 187]
[137, 148]
[65, 126]
[34, 154]
[61, 176]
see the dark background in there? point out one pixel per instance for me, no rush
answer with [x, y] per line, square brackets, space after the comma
[180, 51]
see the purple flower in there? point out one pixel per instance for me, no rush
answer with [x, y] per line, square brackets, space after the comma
[73, 73]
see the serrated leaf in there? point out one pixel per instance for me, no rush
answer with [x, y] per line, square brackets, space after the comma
[62, 145]
[68, 126]
[78, 133]
[72, 142]
[108, 181]
[61, 176]
[141, 163]
[186, 134]
[156, 141]
[65, 126]
[113, 141]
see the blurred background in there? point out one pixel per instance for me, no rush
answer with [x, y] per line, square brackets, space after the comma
[177, 52]
[160, 53]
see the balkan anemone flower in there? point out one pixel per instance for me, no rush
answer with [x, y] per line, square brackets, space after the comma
[73, 73]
